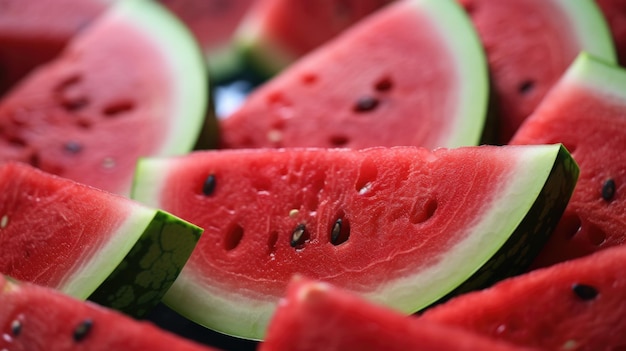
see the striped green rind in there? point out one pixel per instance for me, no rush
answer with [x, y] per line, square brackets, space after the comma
[514, 226]
[532, 233]
[146, 273]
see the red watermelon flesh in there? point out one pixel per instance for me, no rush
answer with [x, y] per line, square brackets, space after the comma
[586, 111]
[319, 317]
[413, 73]
[615, 13]
[86, 242]
[115, 94]
[529, 45]
[278, 32]
[34, 32]
[382, 222]
[575, 305]
[35, 318]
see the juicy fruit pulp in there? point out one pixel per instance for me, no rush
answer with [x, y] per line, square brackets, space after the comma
[385, 222]
[276, 33]
[360, 89]
[575, 305]
[35, 318]
[132, 84]
[86, 242]
[316, 316]
[529, 44]
[585, 111]
[34, 32]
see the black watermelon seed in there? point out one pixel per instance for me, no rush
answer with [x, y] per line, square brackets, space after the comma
[526, 86]
[16, 327]
[336, 232]
[608, 189]
[366, 104]
[585, 292]
[82, 330]
[209, 185]
[297, 235]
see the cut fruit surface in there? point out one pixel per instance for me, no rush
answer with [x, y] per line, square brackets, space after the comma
[384, 222]
[413, 73]
[276, 33]
[34, 32]
[575, 305]
[586, 112]
[529, 45]
[36, 318]
[319, 317]
[86, 242]
[132, 84]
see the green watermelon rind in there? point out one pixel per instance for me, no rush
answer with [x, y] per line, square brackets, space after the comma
[539, 188]
[150, 268]
[464, 48]
[591, 28]
[532, 233]
[134, 269]
[495, 249]
[187, 69]
[470, 59]
[265, 57]
[596, 74]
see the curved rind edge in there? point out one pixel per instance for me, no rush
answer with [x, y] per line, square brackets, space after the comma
[466, 49]
[533, 231]
[591, 28]
[229, 312]
[596, 74]
[145, 274]
[188, 71]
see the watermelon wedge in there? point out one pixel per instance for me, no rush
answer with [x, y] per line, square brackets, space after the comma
[86, 242]
[319, 317]
[213, 24]
[34, 32]
[276, 33]
[132, 84]
[392, 224]
[586, 110]
[575, 305]
[361, 90]
[36, 318]
[529, 45]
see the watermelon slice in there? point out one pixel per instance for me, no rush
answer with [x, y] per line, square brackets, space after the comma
[86, 242]
[275, 33]
[393, 224]
[360, 89]
[213, 24]
[318, 317]
[133, 84]
[34, 32]
[576, 305]
[586, 111]
[615, 13]
[36, 318]
[529, 44]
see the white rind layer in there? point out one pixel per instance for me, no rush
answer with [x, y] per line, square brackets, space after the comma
[186, 69]
[86, 278]
[247, 313]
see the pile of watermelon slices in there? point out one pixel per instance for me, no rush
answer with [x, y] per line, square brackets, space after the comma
[393, 175]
